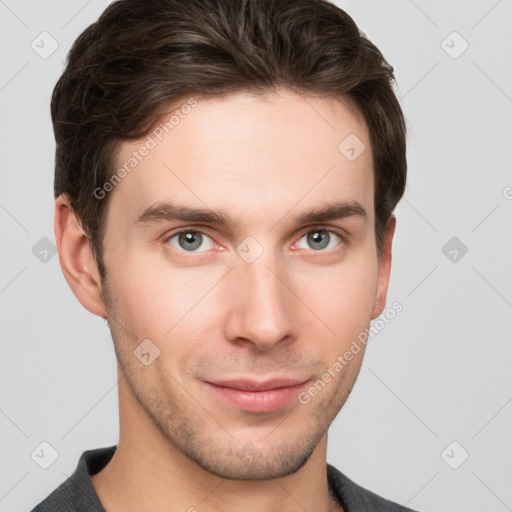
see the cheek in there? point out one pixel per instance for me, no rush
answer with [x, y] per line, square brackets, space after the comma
[342, 297]
[166, 303]
[159, 301]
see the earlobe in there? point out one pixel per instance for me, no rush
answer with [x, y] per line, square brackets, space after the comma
[77, 259]
[384, 269]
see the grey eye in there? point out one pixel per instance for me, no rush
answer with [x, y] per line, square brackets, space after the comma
[190, 241]
[319, 239]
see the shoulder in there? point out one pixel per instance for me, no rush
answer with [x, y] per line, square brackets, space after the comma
[63, 498]
[76, 493]
[358, 499]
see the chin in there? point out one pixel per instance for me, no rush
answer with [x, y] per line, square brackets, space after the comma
[251, 463]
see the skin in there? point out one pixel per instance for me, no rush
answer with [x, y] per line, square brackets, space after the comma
[263, 160]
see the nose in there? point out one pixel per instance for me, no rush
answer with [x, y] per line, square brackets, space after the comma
[261, 304]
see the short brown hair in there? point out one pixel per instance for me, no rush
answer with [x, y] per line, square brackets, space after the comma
[126, 69]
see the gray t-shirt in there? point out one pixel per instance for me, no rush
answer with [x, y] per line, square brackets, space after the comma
[77, 494]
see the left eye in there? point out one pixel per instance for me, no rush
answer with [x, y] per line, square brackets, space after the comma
[319, 239]
[190, 240]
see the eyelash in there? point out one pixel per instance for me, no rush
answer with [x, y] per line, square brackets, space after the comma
[311, 229]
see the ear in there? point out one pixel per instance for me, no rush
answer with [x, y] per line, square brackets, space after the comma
[384, 269]
[76, 258]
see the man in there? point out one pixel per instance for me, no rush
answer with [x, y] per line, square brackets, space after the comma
[226, 173]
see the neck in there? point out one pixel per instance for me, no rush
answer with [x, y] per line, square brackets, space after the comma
[147, 472]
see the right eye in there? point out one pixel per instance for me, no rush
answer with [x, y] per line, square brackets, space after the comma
[188, 240]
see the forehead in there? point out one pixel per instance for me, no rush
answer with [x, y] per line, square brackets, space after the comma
[251, 155]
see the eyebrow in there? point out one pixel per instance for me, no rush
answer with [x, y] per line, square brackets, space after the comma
[165, 211]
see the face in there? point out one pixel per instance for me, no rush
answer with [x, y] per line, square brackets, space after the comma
[250, 303]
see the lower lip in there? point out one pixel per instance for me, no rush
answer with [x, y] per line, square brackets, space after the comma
[258, 401]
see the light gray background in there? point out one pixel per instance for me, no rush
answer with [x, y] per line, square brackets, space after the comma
[439, 372]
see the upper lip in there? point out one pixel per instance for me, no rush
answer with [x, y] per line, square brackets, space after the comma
[252, 385]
